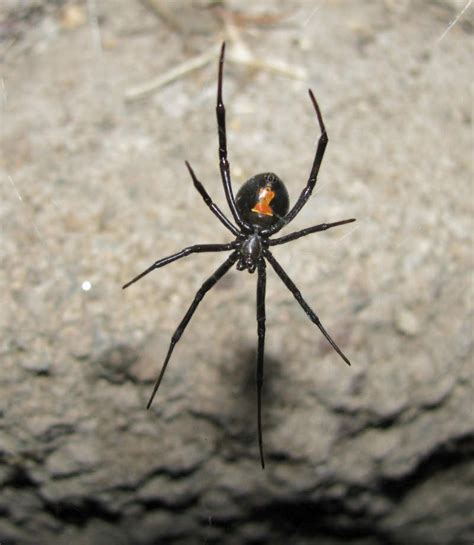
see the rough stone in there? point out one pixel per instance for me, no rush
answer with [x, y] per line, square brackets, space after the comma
[95, 190]
[77, 455]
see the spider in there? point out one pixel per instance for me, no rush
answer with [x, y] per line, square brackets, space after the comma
[260, 209]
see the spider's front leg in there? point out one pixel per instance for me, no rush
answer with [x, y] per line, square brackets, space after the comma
[318, 158]
[223, 161]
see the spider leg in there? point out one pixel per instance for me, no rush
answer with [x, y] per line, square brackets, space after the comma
[208, 284]
[261, 283]
[307, 231]
[197, 248]
[297, 294]
[207, 199]
[306, 193]
[223, 162]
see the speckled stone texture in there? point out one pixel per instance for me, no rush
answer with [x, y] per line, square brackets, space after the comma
[94, 189]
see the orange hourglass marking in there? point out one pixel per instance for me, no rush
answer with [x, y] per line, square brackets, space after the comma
[265, 197]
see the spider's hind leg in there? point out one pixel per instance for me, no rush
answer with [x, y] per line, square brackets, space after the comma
[208, 284]
[304, 305]
[261, 285]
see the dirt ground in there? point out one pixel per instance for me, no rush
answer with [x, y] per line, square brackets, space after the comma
[94, 189]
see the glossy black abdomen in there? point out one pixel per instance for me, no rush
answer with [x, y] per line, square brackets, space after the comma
[263, 200]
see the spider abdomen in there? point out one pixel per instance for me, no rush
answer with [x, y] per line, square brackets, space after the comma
[263, 200]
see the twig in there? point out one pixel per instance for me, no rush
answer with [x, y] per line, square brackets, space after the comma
[238, 53]
[150, 87]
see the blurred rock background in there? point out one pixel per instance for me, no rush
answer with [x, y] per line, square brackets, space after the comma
[94, 189]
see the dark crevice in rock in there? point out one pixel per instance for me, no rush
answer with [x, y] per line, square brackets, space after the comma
[446, 456]
[155, 504]
[56, 431]
[322, 518]
[19, 478]
[80, 512]
[174, 473]
[347, 518]
[352, 424]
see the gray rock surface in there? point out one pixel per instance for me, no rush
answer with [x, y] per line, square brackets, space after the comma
[94, 189]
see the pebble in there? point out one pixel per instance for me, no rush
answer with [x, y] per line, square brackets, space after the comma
[407, 322]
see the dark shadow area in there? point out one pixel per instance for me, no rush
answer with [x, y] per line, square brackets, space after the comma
[450, 454]
[242, 416]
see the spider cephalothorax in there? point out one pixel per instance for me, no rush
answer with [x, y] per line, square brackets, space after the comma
[250, 251]
[260, 209]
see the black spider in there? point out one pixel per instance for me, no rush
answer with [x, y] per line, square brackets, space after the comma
[260, 210]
